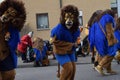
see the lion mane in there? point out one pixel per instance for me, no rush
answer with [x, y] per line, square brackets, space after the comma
[73, 10]
[21, 12]
[17, 22]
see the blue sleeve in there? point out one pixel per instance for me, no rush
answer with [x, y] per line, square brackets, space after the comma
[60, 32]
[37, 53]
[117, 35]
[14, 39]
[44, 51]
[63, 34]
[13, 42]
[91, 37]
[52, 33]
[76, 35]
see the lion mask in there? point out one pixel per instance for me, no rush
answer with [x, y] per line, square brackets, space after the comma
[70, 17]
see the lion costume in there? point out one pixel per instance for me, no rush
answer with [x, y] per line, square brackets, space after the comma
[12, 19]
[64, 37]
[102, 38]
[41, 52]
[117, 36]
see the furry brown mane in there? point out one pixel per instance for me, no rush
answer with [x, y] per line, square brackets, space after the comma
[95, 16]
[17, 5]
[118, 24]
[70, 9]
[107, 11]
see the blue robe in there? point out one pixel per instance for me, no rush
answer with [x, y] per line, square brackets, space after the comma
[13, 42]
[98, 39]
[117, 36]
[63, 34]
[10, 62]
[40, 55]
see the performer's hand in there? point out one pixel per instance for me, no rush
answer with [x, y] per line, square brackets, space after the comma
[81, 29]
[34, 56]
[78, 40]
[7, 36]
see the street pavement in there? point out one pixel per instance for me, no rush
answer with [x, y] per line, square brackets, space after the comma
[85, 71]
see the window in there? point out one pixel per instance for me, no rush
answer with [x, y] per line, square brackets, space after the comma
[81, 18]
[42, 21]
[113, 3]
[114, 6]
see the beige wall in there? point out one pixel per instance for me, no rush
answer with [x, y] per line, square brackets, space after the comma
[52, 7]
[41, 6]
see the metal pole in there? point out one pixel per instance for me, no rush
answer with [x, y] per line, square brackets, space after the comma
[118, 7]
[60, 3]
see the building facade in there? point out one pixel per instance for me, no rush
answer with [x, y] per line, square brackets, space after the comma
[115, 5]
[43, 15]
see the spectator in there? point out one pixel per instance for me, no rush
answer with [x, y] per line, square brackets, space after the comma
[25, 42]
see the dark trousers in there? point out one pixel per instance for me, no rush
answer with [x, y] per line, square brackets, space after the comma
[23, 56]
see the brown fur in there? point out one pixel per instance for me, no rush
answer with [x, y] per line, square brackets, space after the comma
[74, 11]
[67, 72]
[110, 34]
[117, 56]
[7, 75]
[18, 5]
[45, 61]
[118, 24]
[14, 12]
[107, 11]
[94, 17]
[17, 20]
[38, 43]
[73, 14]
[62, 47]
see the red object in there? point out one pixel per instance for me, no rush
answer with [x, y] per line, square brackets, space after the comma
[24, 42]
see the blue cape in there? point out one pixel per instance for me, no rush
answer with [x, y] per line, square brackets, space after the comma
[117, 36]
[42, 54]
[63, 34]
[13, 42]
[97, 38]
